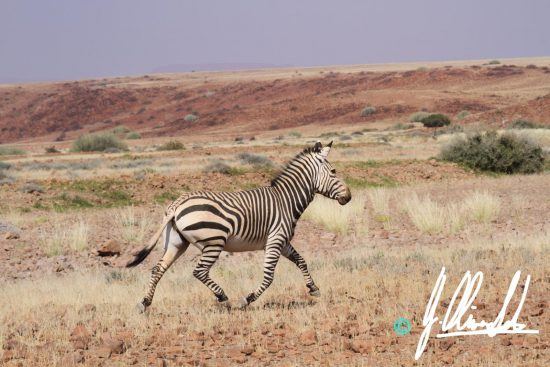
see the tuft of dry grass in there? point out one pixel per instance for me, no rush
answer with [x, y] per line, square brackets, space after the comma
[133, 226]
[335, 217]
[426, 214]
[481, 206]
[63, 237]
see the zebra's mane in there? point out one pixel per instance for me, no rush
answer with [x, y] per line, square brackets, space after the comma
[298, 156]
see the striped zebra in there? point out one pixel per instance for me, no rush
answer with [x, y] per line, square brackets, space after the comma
[258, 219]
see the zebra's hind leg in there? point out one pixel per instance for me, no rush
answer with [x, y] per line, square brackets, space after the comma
[210, 254]
[174, 246]
[290, 253]
[272, 255]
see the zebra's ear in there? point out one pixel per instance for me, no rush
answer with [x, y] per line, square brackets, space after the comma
[326, 150]
[317, 147]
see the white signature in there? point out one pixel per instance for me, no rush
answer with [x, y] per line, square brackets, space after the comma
[469, 286]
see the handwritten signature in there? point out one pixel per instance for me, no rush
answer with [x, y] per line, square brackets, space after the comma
[469, 287]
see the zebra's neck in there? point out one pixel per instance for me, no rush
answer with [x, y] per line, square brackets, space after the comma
[296, 185]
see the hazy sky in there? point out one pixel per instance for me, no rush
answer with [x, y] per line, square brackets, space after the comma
[69, 39]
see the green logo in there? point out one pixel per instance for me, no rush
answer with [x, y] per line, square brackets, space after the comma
[402, 326]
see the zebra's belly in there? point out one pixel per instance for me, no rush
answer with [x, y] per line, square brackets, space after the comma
[236, 244]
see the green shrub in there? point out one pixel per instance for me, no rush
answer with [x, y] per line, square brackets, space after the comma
[295, 134]
[121, 129]
[436, 120]
[191, 117]
[367, 111]
[10, 151]
[256, 160]
[99, 142]
[52, 150]
[133, 135]
[172, 145]
[525, 124]
[493, 62]
[506, 153]
[462, 114]
[418, 116]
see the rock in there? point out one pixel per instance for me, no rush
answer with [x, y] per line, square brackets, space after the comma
[308, 337]
[103, 352]
[11, 236]
[361, 346]
[109, 248]
[80, 337]
[72, 358]
[248, 350]
[115, 346]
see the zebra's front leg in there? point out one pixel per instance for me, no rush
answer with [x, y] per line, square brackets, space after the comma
[210, 254]
[272, 255]
[290, 253]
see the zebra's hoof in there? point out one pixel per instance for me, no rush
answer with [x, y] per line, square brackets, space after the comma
[242, 303]
[140, 307]
[315, 293]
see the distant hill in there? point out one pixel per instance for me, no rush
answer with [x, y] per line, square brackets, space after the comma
[222, 66]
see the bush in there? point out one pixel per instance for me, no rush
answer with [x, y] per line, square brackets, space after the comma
[10, 151]
[506, 153]
[435, 120]
[462, 114]
[133, 135]
[52, 150]
[172, 145]
[295, 134]
[191, 117]
[493, 62]
[418, 116]
[121, 129]
[218, 167]
[255, 159]
[524, 124]
[99, 142]
[367, 111]
[4, 165]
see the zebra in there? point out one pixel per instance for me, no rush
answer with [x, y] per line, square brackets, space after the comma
[259, 219]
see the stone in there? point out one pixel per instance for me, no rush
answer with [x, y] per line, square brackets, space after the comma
[11, 236]
[248, 350]
[109, 248]
[308, 337]
[80, 337]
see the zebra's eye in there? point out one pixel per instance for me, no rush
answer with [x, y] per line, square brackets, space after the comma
[333, 171]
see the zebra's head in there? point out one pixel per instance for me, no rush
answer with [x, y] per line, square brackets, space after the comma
[328, 184]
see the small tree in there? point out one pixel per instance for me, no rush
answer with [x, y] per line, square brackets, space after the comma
[191, 117]
[367, 111]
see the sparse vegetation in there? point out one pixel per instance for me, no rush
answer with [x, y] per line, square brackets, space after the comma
[52, 150]
[133, 135]
[191, 117]
[418, 116]
[172, 145]
[98, 142]
[436, 120]
[256, 160]
[506, 153]
[64, 238]
[121, 129]
[493, 62]
[133, 226]
[218, 166]
[481, 206]
[295, 134]
[6, 150]
[368, 111]
[462, 114]
[525, 124]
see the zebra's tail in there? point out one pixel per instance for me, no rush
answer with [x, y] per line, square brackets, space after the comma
[141, 254]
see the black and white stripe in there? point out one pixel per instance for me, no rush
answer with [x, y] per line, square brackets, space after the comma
[258, 219]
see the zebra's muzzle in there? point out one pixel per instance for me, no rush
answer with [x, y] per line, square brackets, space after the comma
[344, 199]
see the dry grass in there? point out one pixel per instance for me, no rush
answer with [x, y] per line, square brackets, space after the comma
[335, 217]
[65, 237]
[482, 206]
[366, 285]
[434, 217]
[133, 224]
